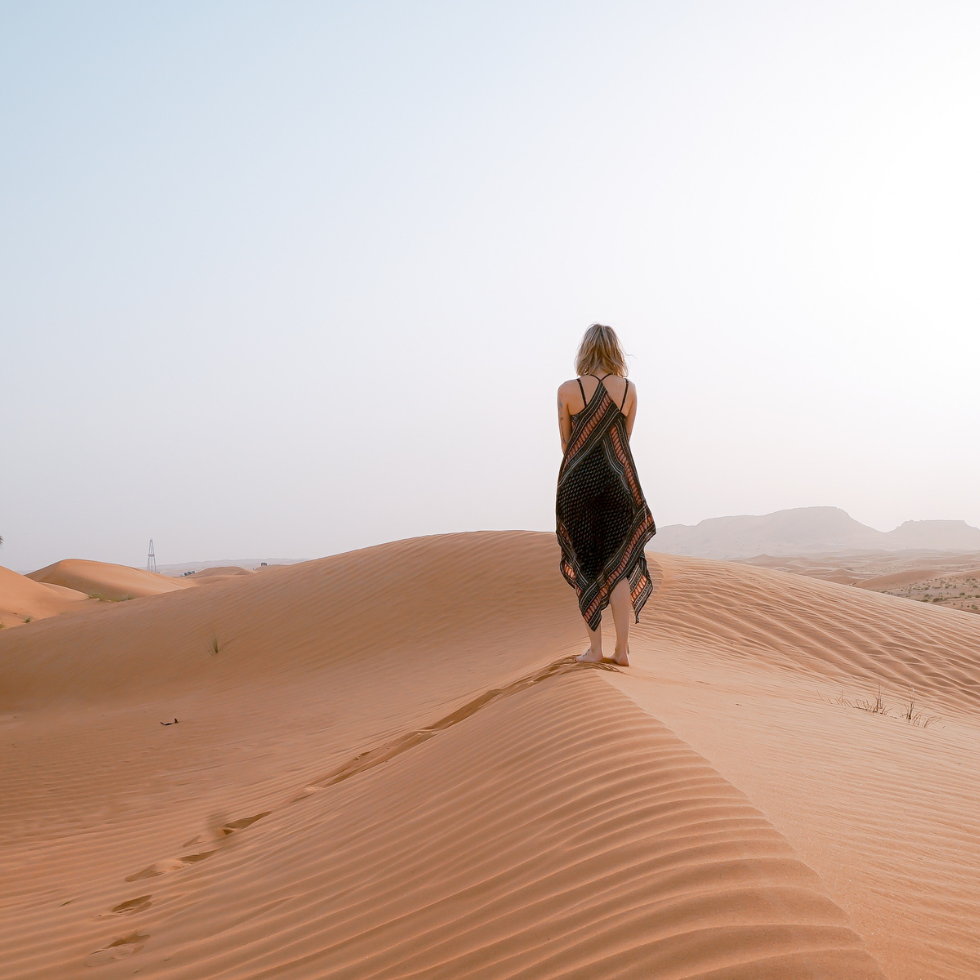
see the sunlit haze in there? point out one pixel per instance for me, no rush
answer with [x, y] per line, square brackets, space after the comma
[288, 279]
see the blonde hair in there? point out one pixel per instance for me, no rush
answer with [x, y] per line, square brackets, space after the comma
[600, 351]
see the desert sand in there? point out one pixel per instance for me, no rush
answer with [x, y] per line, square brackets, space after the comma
[385, 765]
[113, 583]
[23, 600]
[950, 579]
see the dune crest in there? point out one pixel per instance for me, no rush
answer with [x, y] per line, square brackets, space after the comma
[23, 600]
[102, 580]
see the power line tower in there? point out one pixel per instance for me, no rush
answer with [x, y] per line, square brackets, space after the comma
[151, 559]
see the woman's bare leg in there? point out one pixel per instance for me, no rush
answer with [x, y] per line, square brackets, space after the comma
[622, 610]
[594, 654]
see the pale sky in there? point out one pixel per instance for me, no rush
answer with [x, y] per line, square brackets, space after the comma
[285, 279]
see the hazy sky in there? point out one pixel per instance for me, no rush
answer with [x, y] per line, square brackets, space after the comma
[284, 279]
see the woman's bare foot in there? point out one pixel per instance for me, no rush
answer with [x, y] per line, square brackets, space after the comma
[623, 659]
[590, 657]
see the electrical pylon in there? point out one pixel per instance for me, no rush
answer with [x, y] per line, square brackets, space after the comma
[151, 559]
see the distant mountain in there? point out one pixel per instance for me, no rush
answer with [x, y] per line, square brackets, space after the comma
[806, 531]
[935, 535]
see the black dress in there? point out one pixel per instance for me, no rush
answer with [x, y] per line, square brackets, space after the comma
[603, 521]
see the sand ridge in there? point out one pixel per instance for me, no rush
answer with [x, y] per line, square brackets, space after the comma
[949, 579]
[102, 580]
[390, 768]
[771, 676]
[559, 831]
[825, 629]
[23, 600]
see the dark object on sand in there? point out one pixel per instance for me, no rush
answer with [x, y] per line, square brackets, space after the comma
[174, 722]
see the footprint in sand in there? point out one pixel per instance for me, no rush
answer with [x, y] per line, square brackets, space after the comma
[159, 868]
[233, 825]
[133, 905]
[129, 907]
[117, 949]
[221, 833]
[170, 864]
[194, 858]
[305, 792]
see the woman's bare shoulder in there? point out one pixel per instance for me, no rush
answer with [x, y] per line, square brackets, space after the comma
[568, 386]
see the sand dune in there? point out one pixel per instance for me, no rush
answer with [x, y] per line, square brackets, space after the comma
[222, 571]
[178, 569]
[774, 679]
[23, 600]
[950, 579]
[217, 573]
[385, 766]
[105, 581]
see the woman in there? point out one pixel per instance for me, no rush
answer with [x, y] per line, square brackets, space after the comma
[603, 519]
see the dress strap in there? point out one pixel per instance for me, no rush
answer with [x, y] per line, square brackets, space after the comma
[603, 378]
[580, 388]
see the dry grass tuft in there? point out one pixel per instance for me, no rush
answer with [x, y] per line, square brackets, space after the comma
[877, 706]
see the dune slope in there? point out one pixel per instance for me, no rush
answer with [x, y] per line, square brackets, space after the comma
[383, 766]
[22, 599]
[560, 832]
[775, 679]
[106, 581]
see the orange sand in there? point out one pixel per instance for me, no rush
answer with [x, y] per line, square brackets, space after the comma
[219, 573]
[103, 581]
[950, 579]
[390, 769]
[22, 600]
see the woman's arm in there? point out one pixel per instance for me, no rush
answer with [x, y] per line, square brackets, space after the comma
[564, 417]
[630, 410]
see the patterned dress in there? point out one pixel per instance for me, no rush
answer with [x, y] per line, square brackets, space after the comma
[603, 521]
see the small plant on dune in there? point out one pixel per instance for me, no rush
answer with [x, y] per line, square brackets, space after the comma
[914, 717]
[29, 618]
[876, 707]
[213, 649]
